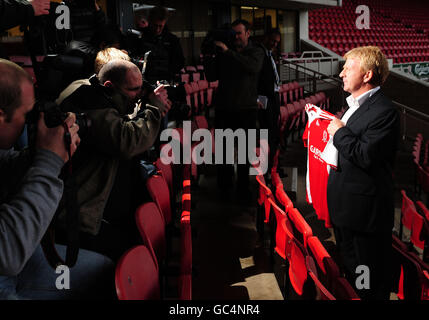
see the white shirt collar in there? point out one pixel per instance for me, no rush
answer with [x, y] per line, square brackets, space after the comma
[355, 103]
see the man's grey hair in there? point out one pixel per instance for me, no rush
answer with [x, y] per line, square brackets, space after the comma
[115, 71]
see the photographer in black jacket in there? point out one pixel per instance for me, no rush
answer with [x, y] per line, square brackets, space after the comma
[166, 58]
[236, 99]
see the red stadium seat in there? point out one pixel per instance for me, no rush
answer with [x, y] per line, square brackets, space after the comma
[136, 275]
[166, 171]
[184, 77]
[151, 225]
[323, 292]
[288, 248]
[410, 274]
[263, 199]
[158, 190]
[328, 269]
[301, 226]
[185, 279]
[424, 210]
[413, 221]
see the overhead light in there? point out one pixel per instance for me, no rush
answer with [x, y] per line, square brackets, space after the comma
[249, 8]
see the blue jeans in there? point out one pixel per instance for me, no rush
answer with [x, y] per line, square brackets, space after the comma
[92, 277]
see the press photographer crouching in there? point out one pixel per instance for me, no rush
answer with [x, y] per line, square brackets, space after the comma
[30, 190]
[103, 167]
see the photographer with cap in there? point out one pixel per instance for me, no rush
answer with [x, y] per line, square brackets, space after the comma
[30, 191]
[103, 166]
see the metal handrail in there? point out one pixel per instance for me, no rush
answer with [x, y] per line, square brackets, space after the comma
[411, 110]
[315, 72]
[319, 60]
[410, 113]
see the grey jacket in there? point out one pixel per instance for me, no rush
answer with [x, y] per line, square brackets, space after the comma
[29, 197]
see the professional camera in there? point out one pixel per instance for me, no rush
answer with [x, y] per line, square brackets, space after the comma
[54, 117]
[225, 34]
[177, 94]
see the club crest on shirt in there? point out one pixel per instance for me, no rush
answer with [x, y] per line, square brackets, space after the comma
[325, 136]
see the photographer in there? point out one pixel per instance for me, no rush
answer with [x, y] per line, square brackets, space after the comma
[30, 191]
[166, 58]
[236, 98]
[157, 97]
[103, 169]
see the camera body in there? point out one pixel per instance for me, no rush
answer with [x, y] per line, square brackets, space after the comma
[225, 35]
[54, 117]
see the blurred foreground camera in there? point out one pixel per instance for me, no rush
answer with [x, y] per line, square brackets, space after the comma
[54, 117]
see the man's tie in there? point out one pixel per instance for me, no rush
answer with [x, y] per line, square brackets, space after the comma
[274, 68]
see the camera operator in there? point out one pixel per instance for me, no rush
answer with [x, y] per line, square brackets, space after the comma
[236, 98]
[166, 58]
[30, 191]
[103, 168]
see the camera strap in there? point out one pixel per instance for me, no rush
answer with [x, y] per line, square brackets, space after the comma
[72, 218]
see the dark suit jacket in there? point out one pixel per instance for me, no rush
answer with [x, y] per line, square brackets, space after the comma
[360, 191]
[267, 78]
[266, 83]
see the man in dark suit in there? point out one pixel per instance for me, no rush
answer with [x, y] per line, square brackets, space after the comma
[268, 91]
[360, 191]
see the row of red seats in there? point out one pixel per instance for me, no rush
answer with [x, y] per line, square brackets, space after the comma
[412, 269]
[292, 115]
[310, 271]
[142, 270]
[421, 164]
[192, 73]
[329, 21]
[199, 94]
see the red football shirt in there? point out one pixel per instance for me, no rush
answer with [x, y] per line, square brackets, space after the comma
[315, 139]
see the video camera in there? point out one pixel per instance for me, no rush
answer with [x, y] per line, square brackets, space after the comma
[225, 34]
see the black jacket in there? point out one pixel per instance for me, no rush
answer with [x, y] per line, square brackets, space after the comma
[238, 78]
[166, 58]
[14, 13]
[360, 192]
[267, 77]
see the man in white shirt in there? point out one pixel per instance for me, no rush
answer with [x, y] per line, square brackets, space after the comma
[360, 191]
